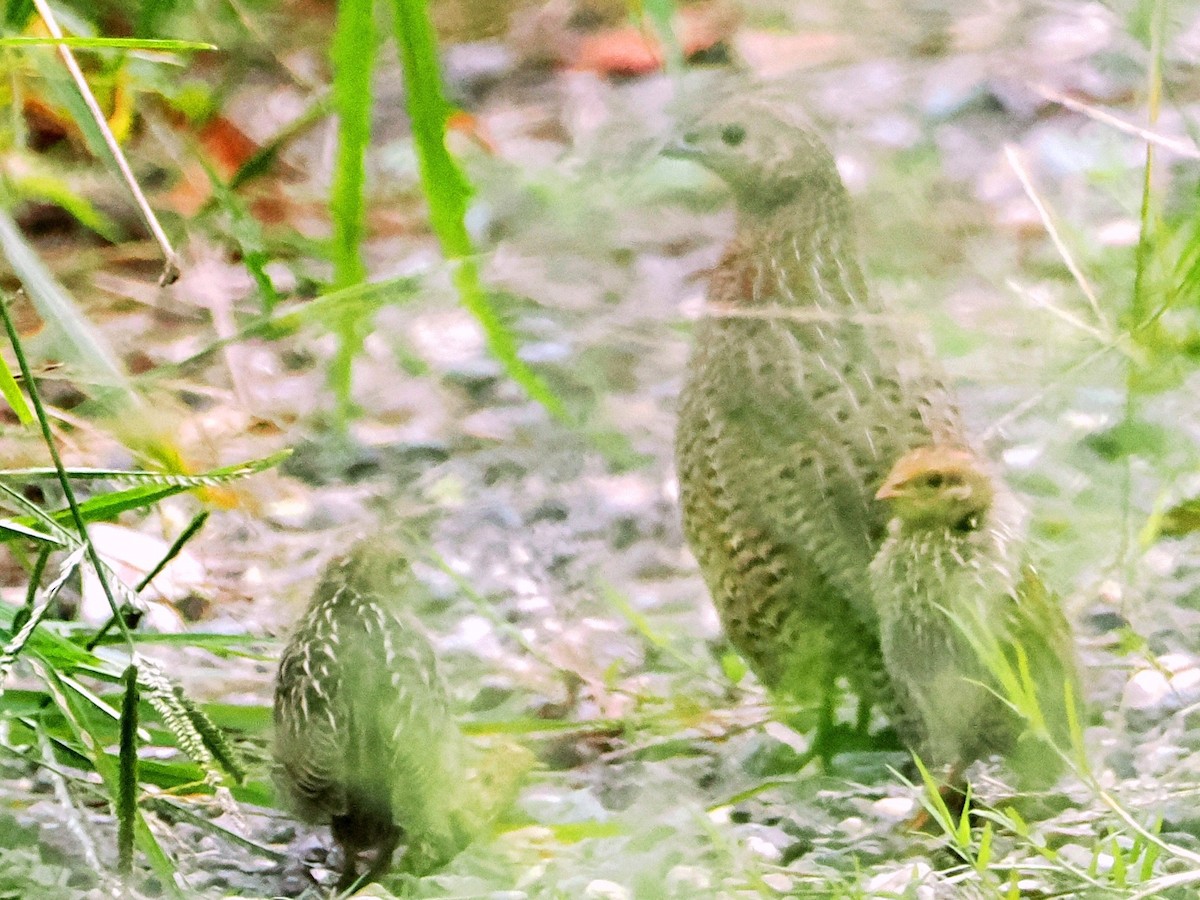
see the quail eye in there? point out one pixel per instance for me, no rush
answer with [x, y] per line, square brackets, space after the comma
[967, 524]
[934, 481]
[732, 135]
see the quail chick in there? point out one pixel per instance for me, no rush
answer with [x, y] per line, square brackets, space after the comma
[364, 736]
[962, 615]
[801, 392]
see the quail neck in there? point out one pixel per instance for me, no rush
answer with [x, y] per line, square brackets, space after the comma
[794, 244]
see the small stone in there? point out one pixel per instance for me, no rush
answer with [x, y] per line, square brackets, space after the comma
[853, 826]
[602, 889]
[1146, 690]
[1174, 683]
[895, 808]
[897, 882]
[760, 846]
[778, 881]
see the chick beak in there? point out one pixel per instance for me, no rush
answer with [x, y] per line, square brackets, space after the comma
[890, 490]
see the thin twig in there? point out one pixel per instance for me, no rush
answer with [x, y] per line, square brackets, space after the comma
[1174, 144]
[802, 315]
[170, 271]
[1013, 155]
[1021, 408]
[1069, 317]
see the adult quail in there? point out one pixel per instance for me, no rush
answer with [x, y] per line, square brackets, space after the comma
[364, 736]
[970, 633]
[801, 392]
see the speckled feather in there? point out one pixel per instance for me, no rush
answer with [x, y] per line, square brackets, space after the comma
[801, 392]
[365, 739]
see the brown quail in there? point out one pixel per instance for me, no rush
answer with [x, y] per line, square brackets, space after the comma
[364, 736]
[801, 393]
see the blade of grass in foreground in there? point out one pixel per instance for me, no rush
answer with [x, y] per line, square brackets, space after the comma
[12, 393]
[73, 337]
[353, 60]
[448, 192]
[75, 713]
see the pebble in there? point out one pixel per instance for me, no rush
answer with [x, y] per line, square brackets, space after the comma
[760, 846]
[1174, 683]
[778, 881]
[899, 882]
[602, 889]
[895, 808]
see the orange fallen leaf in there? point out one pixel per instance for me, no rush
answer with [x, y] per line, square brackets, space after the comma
[628, 50]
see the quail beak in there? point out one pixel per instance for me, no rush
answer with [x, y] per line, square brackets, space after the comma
[890, 490]
[681, 147]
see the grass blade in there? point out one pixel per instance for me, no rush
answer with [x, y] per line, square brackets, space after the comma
[127, 773]
[448, 192]
[12, 393]
[72, 337]
[353, 62]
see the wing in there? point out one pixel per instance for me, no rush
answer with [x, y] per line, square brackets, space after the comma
[401, 695]
[310, 739]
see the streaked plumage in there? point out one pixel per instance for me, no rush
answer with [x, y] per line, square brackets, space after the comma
[959, 607]
[800, 394]
[365, 739]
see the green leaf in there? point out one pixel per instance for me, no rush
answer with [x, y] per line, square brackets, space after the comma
[1131, 437]
[108, 506]
[734, 667]
[127, 773]
[211, 478]
[152, 487]
[1120, 866]
[353, 57]
[17, 14]
[12, 393]
[71, 336]
[984, 856]
[14, 531]
[448, 192]
[68, 703]
[661, 14]
[55, 190]
[1181, 519]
